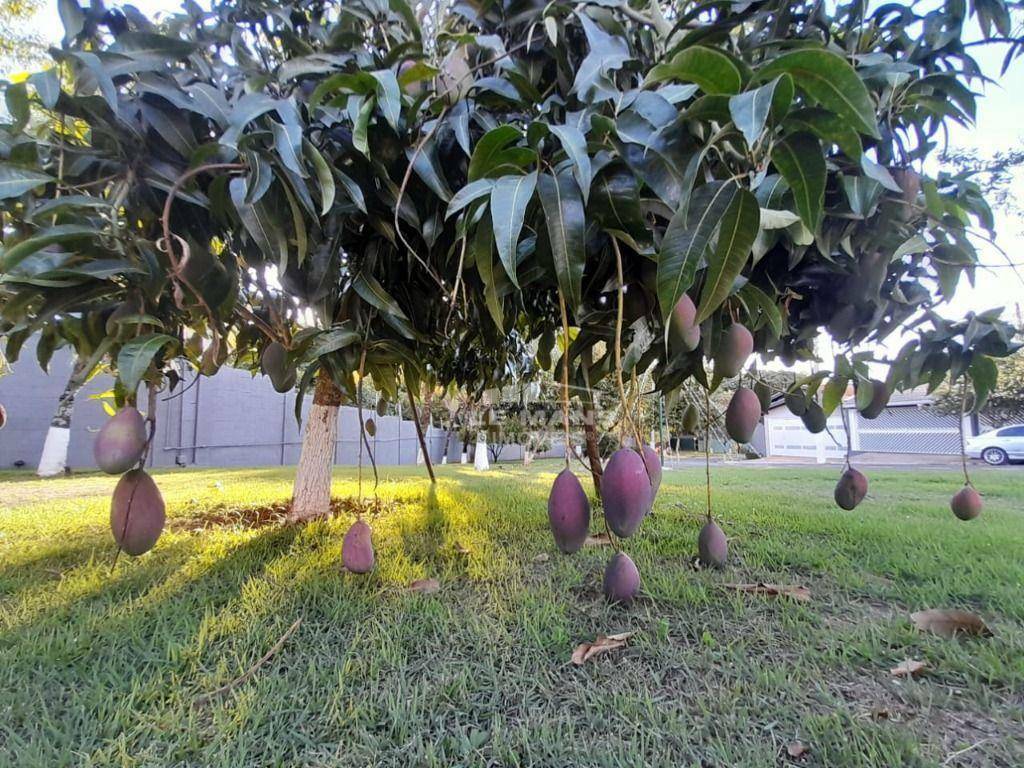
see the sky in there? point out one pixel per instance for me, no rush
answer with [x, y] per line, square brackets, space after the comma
[1000, 126]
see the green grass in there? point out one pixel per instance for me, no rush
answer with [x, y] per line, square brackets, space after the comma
[102, 667]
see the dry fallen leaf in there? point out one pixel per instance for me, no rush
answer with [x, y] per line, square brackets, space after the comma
[603, 644]
[543, 557]
[949, 622]
[423, 586]
[796, 592]
[908, 668]
[597, 540]
[879, 713]
[796, 749]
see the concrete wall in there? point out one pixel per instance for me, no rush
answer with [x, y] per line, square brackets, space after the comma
[229, 420]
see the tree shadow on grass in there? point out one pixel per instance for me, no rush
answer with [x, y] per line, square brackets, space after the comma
[121, 648]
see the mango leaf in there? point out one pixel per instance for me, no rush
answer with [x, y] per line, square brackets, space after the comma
[352, 189]
[862, 194]
[736, 235]
[833, 393]
[288, 144]
[761, 308]
[484, 259]
[566, 223]
[61, 233]
[323, 176]
[575, 145]
[373, 293]
[509, 198]
[426, 166]
[616, 203]
[984, 375]
[750, 110]
[135, 357]
[829, 127]
[332, 340]
[712, 70]
[47, 86]
[950, 622]
[15, 181]
[687, 237]
[259, 221]
[389, 96]
[798, 158]
[467, 194]
[489, 148]
[829, 79]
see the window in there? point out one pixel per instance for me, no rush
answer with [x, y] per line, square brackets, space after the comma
[1011, 432]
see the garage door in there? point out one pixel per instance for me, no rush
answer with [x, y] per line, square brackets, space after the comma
[787, 436]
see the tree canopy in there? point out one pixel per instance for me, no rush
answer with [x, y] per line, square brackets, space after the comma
[422, 193]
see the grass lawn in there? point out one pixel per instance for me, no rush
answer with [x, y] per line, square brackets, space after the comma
[103, 667]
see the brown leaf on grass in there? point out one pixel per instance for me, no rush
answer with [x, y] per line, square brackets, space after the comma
[423, 586]
[597, 540]
[908, 668]
[797, 749]
[950, 622]
[793, 591]
[543, 557]
[603, 644]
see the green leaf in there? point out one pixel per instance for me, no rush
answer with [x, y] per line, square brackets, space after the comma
[984, 376]
[135, 357]
[332, 340]
[830, 80]
[373, 293]
[467, 194]
[61, 233]
[509, 198]
[575, 145]
[686, 238]
[389, 96]
[483, 256]
[616, 203]
[360, 131]
[832, 395]
[72, 17]
[15, 181]
[489, 148]
[736, 236]
[352, 189]
[761, 308]
[712, 70]
[323, 176]
[864, 394]
[426, 166]
[566, 223]
[288, 144]
[830, 128]
[47, 86]
[862, 193]
[749, 111]
[259, 221]
[800, 161]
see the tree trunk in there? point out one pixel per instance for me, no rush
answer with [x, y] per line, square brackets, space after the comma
[54, 459]
[311, 494]
[480, 462]
[527, 457]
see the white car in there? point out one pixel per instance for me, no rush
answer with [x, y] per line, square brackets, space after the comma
[997, 446]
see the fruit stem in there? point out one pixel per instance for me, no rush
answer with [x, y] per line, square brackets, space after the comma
[618, 346]
[960, 425]
[565, 376]
[707, 445]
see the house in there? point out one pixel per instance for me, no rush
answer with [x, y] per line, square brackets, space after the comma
[907, 425]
